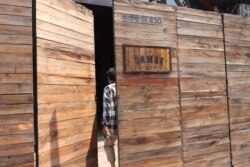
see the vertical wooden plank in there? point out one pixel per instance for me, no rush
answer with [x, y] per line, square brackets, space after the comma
[203, 89]
[148, 104]
[66, 84]
[237, 46]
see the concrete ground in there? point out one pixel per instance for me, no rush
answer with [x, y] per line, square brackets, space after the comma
[102, 159]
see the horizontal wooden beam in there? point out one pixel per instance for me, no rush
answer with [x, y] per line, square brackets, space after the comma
[107, 3]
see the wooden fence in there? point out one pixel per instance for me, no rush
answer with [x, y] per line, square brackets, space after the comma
[192, 116]
[237, 41]
[16, 84]
[149, 110]
[197, 115]
[65, 89]
[203, 89]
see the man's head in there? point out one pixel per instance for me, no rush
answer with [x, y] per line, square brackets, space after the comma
[111, 75]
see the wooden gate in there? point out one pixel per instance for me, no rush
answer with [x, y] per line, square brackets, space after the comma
[148, 105]
[66, 84]
[178, 118]
[182, 83]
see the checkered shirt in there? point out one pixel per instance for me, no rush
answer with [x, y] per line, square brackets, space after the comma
[109, 107]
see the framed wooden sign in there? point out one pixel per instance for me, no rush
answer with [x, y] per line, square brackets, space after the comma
[147, 59]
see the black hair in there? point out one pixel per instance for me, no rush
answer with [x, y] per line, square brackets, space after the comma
[111, 74]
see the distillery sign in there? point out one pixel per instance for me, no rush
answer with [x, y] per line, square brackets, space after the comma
[140, 59]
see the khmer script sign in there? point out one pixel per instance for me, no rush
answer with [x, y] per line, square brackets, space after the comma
[141, 59]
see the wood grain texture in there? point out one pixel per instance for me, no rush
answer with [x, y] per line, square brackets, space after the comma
[16, 84]
[66, 84]
[238, 62]
[179, 119]
[203, 89]
[148, 105]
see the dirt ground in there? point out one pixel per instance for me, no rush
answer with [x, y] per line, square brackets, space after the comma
[102, 159]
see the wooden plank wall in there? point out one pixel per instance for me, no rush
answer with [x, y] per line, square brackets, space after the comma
[148, 105]
[16, 84]
[203, 89]
[237, 41]
[66, 84]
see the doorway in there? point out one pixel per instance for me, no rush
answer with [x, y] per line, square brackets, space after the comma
[104, 59]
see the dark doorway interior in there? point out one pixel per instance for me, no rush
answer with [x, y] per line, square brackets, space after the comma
[104, 51]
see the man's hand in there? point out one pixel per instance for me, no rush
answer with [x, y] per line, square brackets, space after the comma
[105, 130]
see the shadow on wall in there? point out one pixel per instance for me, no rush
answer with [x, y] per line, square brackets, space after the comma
[90, 158]
[54, 154]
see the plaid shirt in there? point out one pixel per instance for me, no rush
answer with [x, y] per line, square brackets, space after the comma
[109, 107]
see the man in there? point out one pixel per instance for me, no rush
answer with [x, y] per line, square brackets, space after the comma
[109, 117]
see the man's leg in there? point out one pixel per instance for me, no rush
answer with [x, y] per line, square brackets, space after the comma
[110, 152]
[112, 164]
[109, 148]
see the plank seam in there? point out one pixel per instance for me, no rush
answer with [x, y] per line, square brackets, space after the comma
[179, 87]
[35, 93]
[226, 71]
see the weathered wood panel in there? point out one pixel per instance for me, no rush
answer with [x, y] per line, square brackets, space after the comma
[203, 89]
[16, 84]
[66, 84]
[148, 104]
[237, 41]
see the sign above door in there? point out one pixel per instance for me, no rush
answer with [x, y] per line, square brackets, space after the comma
[147, 59]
